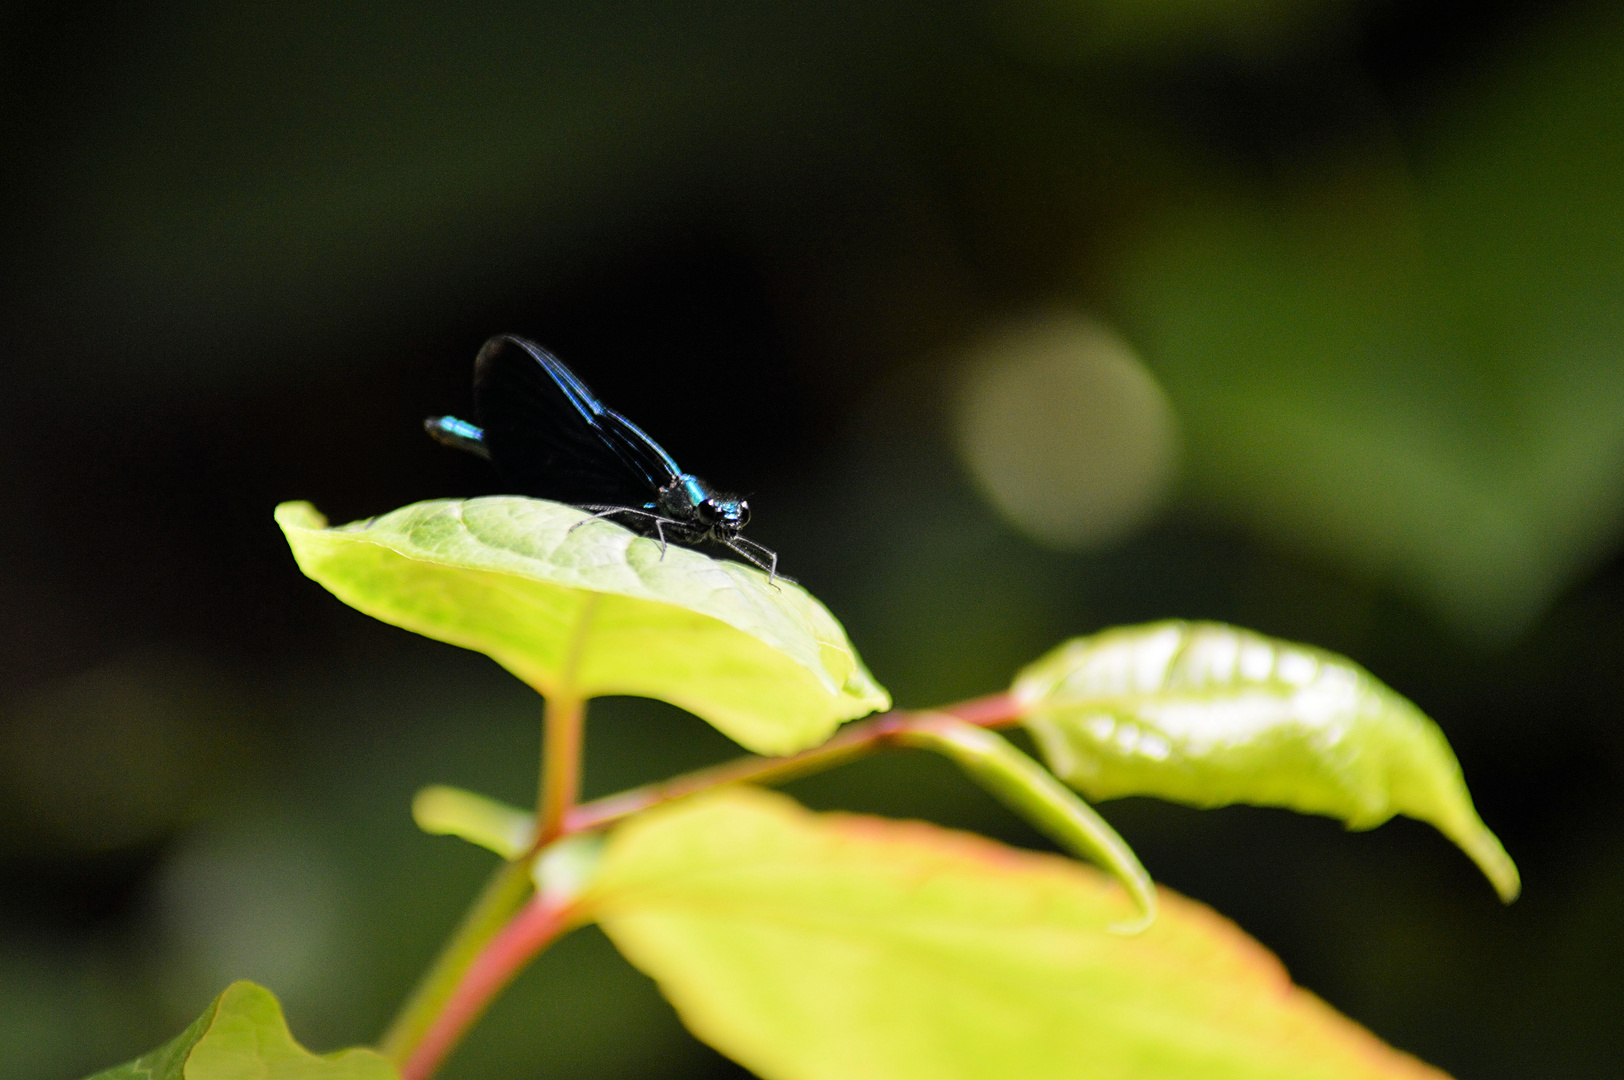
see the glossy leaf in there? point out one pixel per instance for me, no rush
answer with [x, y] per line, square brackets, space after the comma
[1209, 715]
[838, 947]
[598, 610]
[242, 1036]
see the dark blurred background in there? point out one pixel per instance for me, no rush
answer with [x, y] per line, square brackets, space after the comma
[1015, 319]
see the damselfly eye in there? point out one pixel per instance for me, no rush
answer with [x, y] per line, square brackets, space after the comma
[727, 515]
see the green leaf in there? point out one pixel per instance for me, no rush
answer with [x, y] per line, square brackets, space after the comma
[449, 811]
[598, 610]
[1209, 715]
[168, 1062]
[1032, 791]
[838, 947]
[242, 1036]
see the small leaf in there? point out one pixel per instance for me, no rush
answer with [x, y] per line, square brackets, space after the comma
[598, 610]
[837, 947]
[1209, 715]
[242, 1035]
[449, 811]
[168, 1062]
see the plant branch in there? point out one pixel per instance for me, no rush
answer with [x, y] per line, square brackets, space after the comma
[990, 711]
[484, 955]
[443, 989]
[997, 710]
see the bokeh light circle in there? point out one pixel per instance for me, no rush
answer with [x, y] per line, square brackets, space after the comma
[1064, 430]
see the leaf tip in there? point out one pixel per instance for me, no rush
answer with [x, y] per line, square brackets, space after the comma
[441, 810]
[299, 514]
[1485, 849]
[1146, 900]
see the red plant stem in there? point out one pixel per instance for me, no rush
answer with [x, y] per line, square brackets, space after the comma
[996, 710]
[502, 897]
[992, 711]
[540, 921]
[535, 926]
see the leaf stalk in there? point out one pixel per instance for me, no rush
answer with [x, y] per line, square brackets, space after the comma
[857, 740]
[502, 933]
[1033, 792]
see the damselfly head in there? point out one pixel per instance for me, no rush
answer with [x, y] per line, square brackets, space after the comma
[724, 515]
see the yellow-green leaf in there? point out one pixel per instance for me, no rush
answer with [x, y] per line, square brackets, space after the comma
[598, 610]
[1209, 715]
[242, 1036]
[1032, 791]
[838, 947]
[495, 826]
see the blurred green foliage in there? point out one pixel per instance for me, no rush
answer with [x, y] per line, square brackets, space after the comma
[1409, 360]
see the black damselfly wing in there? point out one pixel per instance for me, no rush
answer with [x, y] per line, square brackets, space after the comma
[551, 438]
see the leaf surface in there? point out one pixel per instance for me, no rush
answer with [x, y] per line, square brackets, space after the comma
[242, 1036]
[598, 610]
[839, 947]
[1210, 715]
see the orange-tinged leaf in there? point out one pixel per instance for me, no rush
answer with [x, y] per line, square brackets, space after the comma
[840, 947]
